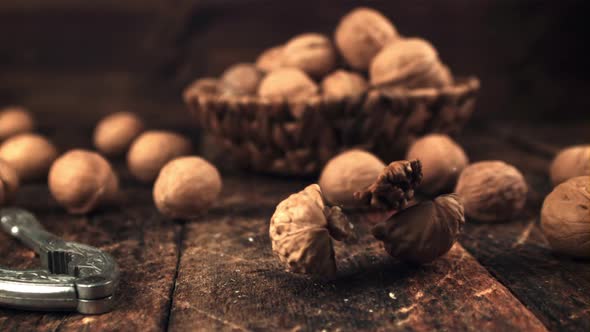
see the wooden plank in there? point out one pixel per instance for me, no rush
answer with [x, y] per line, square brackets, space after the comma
[556, 288]
[229, 280]
[144, 245]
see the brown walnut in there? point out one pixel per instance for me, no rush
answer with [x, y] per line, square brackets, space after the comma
[30, 155]
[114, 133]
[343, 84]
[270, 59]
[9, 182]
[287, 83]
[423, 232]
[241, 79]
[565, 217]
[311, 52]
[301, 230]
[492, 191]
[361, 34]
[571, 162]
[15, 120]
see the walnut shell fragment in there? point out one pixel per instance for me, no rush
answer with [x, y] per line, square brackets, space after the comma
[423, 232]
[394, 187]
[302, 229]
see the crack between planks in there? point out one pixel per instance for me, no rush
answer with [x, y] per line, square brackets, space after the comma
[179, 242]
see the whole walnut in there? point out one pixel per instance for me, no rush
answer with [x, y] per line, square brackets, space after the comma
[492, 191]
[287, 83]
[423, 232]
[9, 182]
[82, 180]
[114, 133]
[270, 59]
[361, 34]
[152, 150]
[342, 84]
[241, 79]
[442, 161]
[301, 230]
[203, 86]
[347, 173]
[30, 155]
[410, 63]
[311, 52]
[186, 187]
[571, 162]
[565, 217]
[15, 120]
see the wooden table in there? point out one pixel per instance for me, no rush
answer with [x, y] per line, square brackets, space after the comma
[218, 272]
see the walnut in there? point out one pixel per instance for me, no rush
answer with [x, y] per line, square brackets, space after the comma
[203, 86]
[342, 84]
[423, 232]
[347, 173]
[270, 59]
[241, 79]
[186, 187]
[492, 191]
[152, 150]
[30, 155]
[287, 83]
[114, 133]
[9, 182]
[302, 229]
[361, 34]
[442, 161]
[82, 180]
[571, 162]
[15, 120]
[311, 52]
[394, 187]
[409, 63]
[565, 217]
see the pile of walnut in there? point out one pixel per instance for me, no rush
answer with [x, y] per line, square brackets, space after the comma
[310, 64]
[83, 180]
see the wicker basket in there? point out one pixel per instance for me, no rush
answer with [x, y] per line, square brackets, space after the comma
[299, 137]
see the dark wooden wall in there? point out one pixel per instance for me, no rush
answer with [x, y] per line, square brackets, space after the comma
[529, 54]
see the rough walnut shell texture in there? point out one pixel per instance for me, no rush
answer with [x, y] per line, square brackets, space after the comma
[15, 120]
[313, 53]
[571, 162]
[565, 217]
[442, 161]
[115, 133]
[300, 235]
[423, 232]
[409, 63]
[152, 150]
[492, 191]
[347, 173]
[9, 182]
[186, 187]
[270, 59]
[287, 83]
[361, 34]
[30, 155]
[82, 180]
[241, 79]
[394, 187]
[343, 84]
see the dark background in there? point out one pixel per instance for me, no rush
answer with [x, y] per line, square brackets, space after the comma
[87, 58]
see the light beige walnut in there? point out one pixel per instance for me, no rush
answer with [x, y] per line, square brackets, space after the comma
[423, 232]
[152, 150]
[287, 83]
[347, 173]
[313, 53]
[302, 229]
[361, 34]
[343, 84]
[492, 191]
[82, 180]
[30, 155]
[270, 59]
[442, 161]
[9, 182]
[565, 217]
[409, 63]
[570, 162]
[241, 79]
[114, 133]
[186, 187]
[15, 120]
